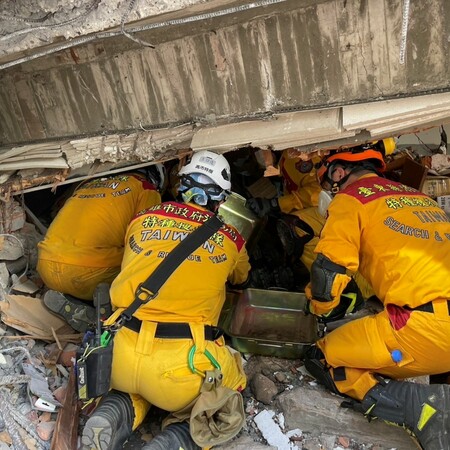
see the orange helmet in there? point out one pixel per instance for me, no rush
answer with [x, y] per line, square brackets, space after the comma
[355, 155]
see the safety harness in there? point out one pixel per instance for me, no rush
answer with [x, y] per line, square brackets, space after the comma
[94, 358]
[149, 289]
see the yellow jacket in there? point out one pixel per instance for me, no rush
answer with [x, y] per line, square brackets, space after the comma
[90, 228]
[195, 292]
[395, 236]
[300, 185]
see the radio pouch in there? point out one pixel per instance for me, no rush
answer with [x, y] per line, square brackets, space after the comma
[93, 369]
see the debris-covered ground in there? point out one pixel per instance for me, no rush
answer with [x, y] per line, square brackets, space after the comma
[285, 407]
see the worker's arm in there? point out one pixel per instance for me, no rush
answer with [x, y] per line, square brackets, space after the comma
[328, 281]
[240, 273]
[337, 257]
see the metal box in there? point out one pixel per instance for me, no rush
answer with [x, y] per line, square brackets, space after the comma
[269, 323]
[234, 212]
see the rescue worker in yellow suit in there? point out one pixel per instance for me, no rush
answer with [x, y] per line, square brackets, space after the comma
[399, 239]
[84, 244]
[151, 352]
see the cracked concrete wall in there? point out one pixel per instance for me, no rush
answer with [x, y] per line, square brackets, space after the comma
[297, 57]
[27, 24]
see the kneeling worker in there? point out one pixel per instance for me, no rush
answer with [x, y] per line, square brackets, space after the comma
[84, 244]
[161, 355]
[399, 239]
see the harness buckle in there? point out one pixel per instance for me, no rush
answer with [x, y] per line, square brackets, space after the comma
[144, 294]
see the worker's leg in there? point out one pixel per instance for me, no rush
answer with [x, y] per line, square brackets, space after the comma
[78, 281]
[80, 314]
[316, 221]
[113, 421]
[158, 369]
[396, 343]
[369, 342]
[169, 373]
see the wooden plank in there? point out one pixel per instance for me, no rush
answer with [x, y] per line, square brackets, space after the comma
[65, 436]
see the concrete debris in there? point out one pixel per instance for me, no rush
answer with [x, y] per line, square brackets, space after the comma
[4, 276]
[11, 247]
[12, 217]
[264, 388]
[440, 164]
[23, 284]
[23, 420]
[144, 146]
[272, 432]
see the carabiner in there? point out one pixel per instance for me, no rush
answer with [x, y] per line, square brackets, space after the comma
[191, 356]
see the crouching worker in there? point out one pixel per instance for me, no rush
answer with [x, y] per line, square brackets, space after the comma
[170, 354]
[399, 239]
[84, 246]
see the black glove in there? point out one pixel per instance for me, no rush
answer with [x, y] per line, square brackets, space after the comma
[263, 206]
[350, 303]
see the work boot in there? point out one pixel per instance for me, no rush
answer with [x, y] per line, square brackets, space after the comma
[173, 437]
[110, 425]
[77, 313]
[423, 409]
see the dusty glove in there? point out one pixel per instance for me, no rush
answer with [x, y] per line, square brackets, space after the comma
[349, 303]
[263, 206]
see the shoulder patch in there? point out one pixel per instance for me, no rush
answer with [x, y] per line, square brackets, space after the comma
[304, 166]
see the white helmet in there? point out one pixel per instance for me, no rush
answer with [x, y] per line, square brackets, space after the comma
[211, 164]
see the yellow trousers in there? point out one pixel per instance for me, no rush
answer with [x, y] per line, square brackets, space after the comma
[156, 371]
[79, 281]
[359, 349]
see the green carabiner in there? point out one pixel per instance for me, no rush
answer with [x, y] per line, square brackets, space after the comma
[207, 354]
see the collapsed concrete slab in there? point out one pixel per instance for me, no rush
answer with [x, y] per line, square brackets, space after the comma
[315, 411]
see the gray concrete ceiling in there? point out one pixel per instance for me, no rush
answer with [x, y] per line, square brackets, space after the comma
[81, 78]
[218, 61]
[29, 25]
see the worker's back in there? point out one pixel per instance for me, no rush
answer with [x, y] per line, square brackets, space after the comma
[90, 227]
[400, 236]
[195, 292]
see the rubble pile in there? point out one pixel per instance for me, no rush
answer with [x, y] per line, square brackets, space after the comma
[33, 380]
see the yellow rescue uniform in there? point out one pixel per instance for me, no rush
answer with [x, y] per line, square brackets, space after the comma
[300, 186]
[155, 370]
[84, 244]
[399, 239]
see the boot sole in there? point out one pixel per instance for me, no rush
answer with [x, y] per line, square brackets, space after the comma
[436, 435]
[97, 434]
[78, 315]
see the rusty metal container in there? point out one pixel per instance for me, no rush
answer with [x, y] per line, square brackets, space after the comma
[269, 323]
[234, 212]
